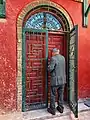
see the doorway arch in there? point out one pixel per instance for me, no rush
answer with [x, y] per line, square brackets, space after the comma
[20, 21]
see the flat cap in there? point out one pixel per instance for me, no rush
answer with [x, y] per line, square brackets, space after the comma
[55, 50]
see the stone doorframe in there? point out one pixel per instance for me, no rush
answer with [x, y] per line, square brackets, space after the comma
[20, 19]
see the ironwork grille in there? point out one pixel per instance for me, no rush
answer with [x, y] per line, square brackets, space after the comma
[73, 77]
[48, 17]
[43, 20]
[35, 70]
[72, 68]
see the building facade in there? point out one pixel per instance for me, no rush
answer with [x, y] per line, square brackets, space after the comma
[28, 31]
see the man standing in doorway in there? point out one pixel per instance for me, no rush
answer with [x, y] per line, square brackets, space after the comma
[58, 80]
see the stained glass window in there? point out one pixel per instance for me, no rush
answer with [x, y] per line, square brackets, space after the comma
[43, 20]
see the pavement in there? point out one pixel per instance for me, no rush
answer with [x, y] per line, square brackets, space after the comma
[42, 114]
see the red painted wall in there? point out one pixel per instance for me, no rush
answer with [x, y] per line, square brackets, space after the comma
[8, 43]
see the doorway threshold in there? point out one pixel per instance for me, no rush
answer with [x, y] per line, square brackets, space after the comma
[42, 114]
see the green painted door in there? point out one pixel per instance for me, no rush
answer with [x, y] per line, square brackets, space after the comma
[73, 70]
[34, 70]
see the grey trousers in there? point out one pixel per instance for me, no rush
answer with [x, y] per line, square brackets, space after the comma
[60, 91]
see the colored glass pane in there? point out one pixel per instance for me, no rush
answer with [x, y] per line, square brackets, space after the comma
[43, 20]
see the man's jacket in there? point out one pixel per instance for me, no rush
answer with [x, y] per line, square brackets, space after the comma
[57, 70]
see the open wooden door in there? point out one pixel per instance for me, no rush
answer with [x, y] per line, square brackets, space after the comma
[73, 70]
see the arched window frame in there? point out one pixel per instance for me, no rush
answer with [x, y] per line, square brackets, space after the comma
[45, 19]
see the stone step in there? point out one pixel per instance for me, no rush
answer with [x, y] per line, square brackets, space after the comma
[42, 114]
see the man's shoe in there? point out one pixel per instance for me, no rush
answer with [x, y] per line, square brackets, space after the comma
[60, 109]
[51, 111]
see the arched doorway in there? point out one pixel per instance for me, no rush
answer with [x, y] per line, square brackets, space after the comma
[45, 29]
[41, 28]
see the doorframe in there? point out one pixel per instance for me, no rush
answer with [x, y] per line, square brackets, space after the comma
[20, 20]
[24, 64]
[23, 61]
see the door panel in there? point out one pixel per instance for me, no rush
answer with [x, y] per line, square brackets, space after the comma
[37, 46]
[73, 70]
[35, 69]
